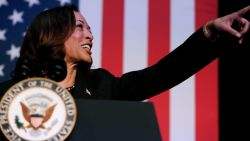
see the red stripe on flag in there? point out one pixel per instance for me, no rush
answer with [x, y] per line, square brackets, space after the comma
[207, 82]
[158, 46]
[112, 37]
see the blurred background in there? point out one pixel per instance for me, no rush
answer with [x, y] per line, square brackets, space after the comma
[129, 35]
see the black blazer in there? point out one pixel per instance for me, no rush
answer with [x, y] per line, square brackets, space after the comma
[195, 53]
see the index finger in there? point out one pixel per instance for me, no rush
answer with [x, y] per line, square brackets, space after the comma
[244, 10]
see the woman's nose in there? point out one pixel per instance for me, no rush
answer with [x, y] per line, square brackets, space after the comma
[89, 35]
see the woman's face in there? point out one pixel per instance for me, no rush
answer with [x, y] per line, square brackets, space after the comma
[78, 45]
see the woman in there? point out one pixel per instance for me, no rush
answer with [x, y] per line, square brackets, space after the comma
[62, 33]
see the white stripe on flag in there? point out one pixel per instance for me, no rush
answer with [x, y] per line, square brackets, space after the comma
[135, 35]
[182, 97]
[92, 11]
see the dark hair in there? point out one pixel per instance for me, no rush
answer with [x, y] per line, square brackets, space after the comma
[44, 39]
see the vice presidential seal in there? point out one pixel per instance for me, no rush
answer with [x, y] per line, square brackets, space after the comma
[37, 109]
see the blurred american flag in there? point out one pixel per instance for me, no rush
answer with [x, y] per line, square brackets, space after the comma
[131, 35]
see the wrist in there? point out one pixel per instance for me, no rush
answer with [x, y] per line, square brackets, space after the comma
[208, 31]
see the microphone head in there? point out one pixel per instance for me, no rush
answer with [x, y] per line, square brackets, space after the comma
[23, 68]
[52, 65]
[57, 70]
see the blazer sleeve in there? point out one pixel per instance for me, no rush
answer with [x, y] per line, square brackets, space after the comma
[190, 57]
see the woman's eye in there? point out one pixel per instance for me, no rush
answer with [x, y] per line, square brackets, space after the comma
[79, 25]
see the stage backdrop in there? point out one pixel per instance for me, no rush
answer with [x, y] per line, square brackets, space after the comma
[131, 35]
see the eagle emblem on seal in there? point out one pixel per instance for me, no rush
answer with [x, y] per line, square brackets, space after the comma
[35, 116]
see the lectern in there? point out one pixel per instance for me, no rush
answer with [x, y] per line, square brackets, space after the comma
[106, 120]
[38, 109]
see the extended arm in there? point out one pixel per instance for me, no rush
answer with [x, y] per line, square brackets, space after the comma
[196, 52]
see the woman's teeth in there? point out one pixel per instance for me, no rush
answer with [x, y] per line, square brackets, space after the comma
[86, 47]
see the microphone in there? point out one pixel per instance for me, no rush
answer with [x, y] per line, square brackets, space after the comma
[57, 69]
[51, 66]
[23, 68]
[54, 69]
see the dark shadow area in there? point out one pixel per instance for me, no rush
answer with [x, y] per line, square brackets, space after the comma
[234, 84]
